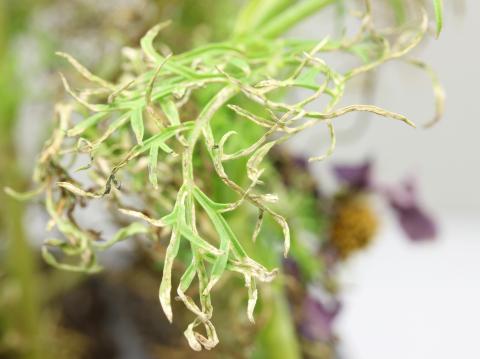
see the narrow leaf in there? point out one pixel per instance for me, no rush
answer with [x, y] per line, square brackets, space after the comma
[438, 6]
[147, 41]
[197, 240]
[219, 223]
[78, 191]
[254, 161]
[171, 111]
[161, 137]
[136, 122]
[125, 232]
[152, 166]
[252, 297]
[165, 290]
[23, 196]
[83, 268]
[85, 72]
[86, 123]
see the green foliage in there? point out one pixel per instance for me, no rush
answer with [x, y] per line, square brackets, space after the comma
[171, 102]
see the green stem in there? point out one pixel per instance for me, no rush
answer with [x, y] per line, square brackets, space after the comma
[257, 12]
[291, 17]
[278, 338]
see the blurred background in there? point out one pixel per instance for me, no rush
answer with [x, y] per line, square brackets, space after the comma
[400, 300]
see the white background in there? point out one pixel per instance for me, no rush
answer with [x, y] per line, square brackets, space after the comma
[410, 301]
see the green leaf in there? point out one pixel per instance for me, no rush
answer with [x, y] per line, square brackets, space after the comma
[146, 44]
[24, 196]
[197, 240]
[147, 41]
[114, 126]
[85, 72]
[185, 282]
[66, 247]
[170, 110]
[438, 6]
[226, 235]
[254, 161]
[90, 267]
[165, 290]
[161, 137]
[152, 166]
[219, 222]
[128, 231]
[136, 122]
[188, 277]
[86, 123]
[252, 297]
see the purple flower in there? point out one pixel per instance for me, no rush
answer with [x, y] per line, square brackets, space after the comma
[414, 220]
[318, 318]
[357, 177]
